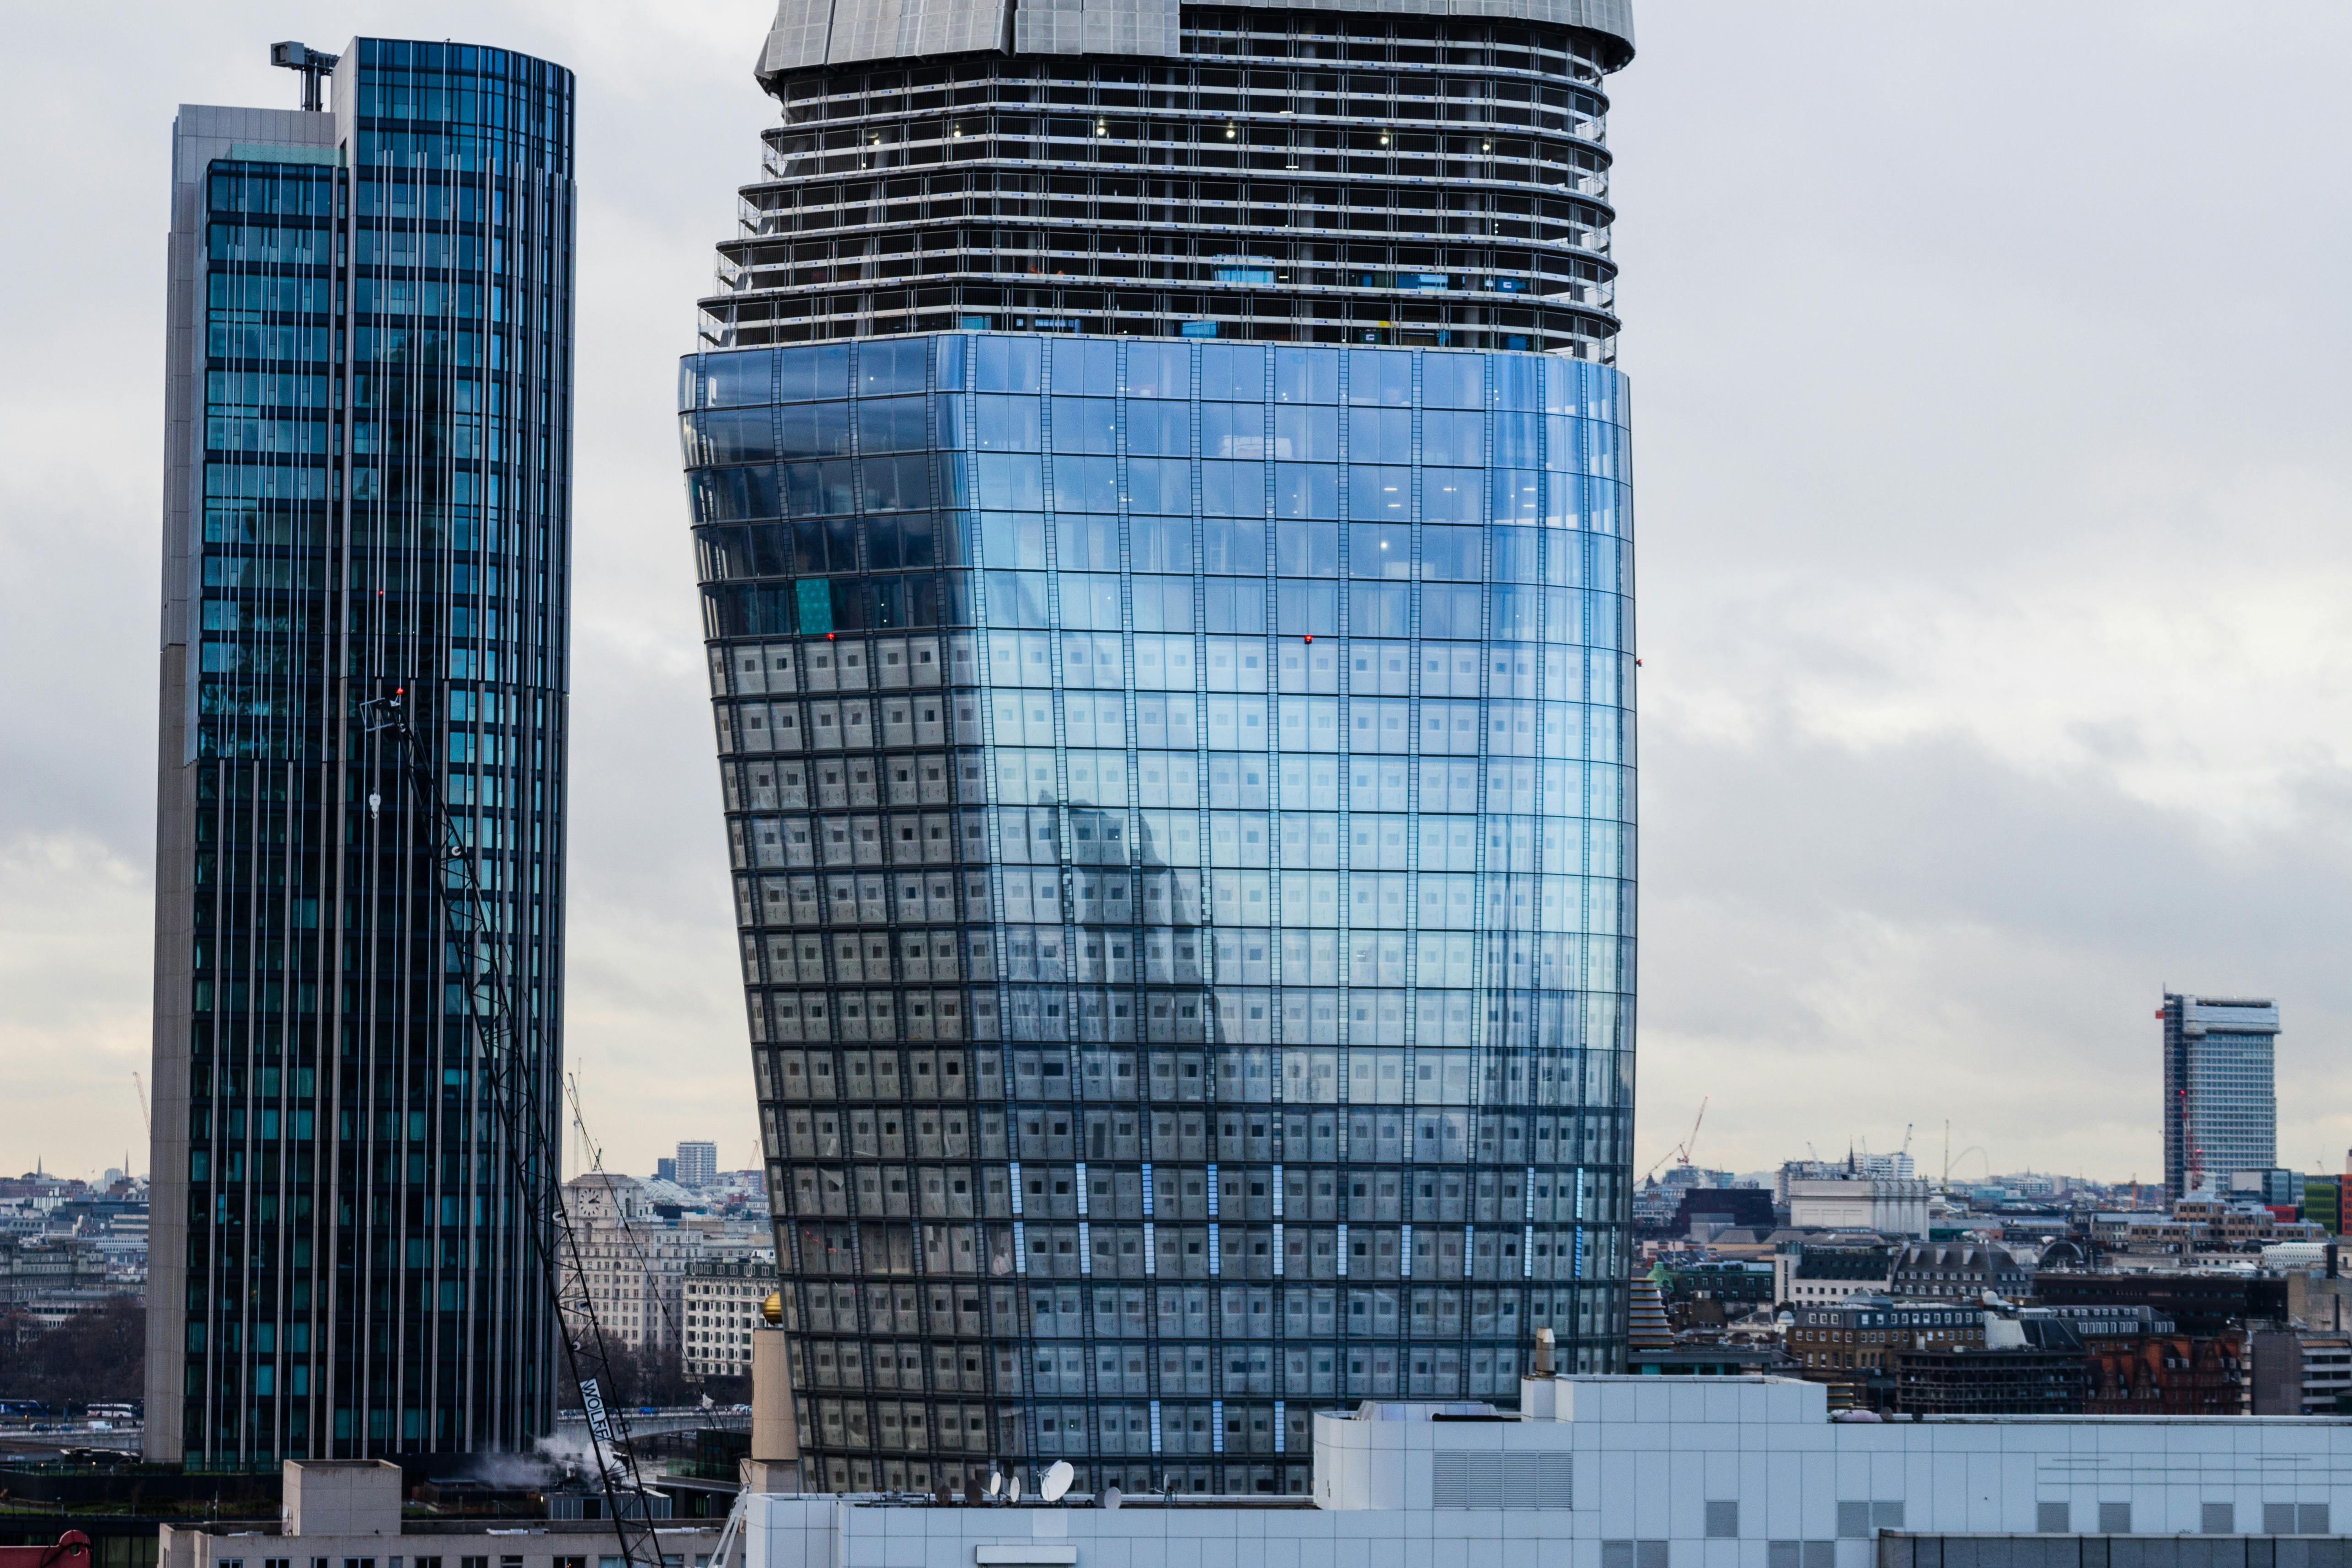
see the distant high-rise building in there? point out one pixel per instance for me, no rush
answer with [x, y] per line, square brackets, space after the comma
[1160, 485]
[2221, 1097]
[367, 484]
[698, 1164]
[665, 1169]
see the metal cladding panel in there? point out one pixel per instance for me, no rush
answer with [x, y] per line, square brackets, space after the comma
[820, 32]
[839, 32]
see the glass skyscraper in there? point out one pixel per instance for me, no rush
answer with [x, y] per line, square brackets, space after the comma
[367, 488]
[2220, 1096]
[1160, 489]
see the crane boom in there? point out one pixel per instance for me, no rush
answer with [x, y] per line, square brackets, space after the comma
[506, 1064]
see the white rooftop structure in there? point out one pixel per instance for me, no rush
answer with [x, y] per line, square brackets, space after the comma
[1646, 1472]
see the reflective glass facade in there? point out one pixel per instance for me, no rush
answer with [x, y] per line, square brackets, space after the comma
[2220, 1095]
[367, 488]
[1182, 800]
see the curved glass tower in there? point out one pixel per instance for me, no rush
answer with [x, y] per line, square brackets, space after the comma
[1174, 702]
[367, 487]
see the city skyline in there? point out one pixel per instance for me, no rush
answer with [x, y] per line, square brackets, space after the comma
[1937, 960]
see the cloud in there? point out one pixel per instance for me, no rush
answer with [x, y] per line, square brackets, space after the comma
[1991, 601]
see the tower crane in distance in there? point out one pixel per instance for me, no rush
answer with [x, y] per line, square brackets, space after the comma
[1680, 1153]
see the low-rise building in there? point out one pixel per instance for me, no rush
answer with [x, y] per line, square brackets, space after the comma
[349, 1512]
[2031, 1364]
[1824, 1274]
[1704, 1211]
[1852, 1345]
[1892, 1205]
[1958, 1272]
[2301, 1374]
[2197, 1303]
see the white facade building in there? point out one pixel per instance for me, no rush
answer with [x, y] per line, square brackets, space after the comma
[633, 1262]
[1642, 1472]
[1891, 1205]
[722, 1309]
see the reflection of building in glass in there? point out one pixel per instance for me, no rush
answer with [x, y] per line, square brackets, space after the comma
[367, 487]
[2221, 1104]
[1180, 791]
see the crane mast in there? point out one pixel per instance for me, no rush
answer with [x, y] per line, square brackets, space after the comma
[507, 1062]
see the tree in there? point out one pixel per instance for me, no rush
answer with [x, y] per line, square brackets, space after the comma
[91, 1356]
[630, 1377]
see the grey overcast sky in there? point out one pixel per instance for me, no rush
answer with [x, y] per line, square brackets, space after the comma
[1990, 448]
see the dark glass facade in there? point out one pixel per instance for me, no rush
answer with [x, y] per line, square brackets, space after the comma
[367, 488]
[1166, 550]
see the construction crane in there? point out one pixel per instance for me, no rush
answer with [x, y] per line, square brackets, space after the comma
[506, 1064]
[146, 1117]
[1681, 1152]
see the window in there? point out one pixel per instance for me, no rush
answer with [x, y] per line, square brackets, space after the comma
[1722, 1521]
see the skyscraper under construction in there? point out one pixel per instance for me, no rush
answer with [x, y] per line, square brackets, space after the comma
[1159, 478]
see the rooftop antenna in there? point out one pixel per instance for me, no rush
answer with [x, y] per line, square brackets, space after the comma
[1056, 1484]
[315, 64]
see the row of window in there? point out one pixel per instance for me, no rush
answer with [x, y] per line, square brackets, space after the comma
[1211, 187]
[1294, 841]
[1431, 726]
[1300, 1017]
[1268, 87]
[1596, 908]
[1173, 1370]
[1212, 147]
[1315, 958]
[1217, 372]
[1356, 38]
[1241, 1076]
[1376, 439]
[1078, 660]
[769, 319]
[1371, 1194]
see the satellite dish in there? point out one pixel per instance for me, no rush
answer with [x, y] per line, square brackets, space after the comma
[1056, 1484]
[1112, 1497]
[1012, 1490]
[996, 1483]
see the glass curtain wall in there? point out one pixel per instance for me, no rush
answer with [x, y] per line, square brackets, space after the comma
[381, 342]
[1181, 797]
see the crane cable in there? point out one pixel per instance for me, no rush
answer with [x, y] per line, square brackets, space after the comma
[508, 1079]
